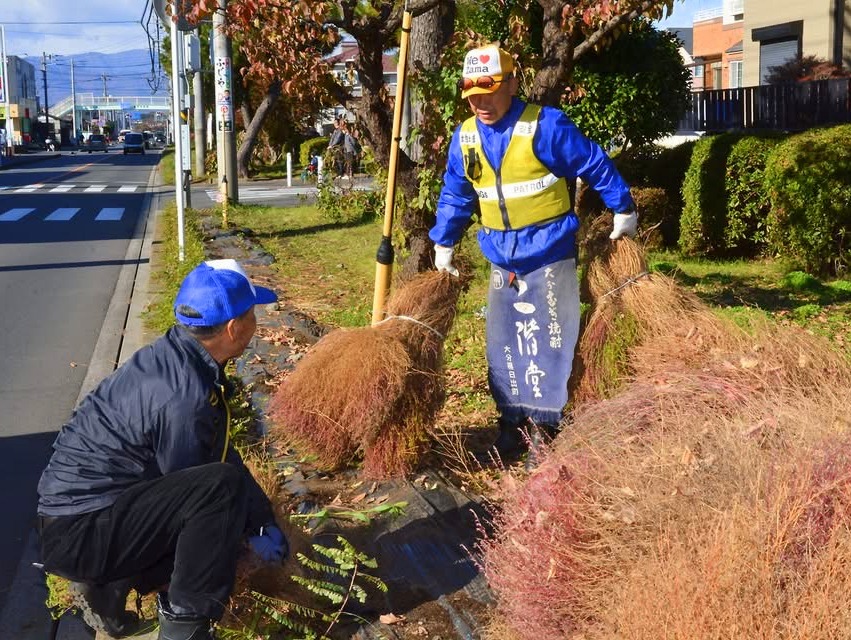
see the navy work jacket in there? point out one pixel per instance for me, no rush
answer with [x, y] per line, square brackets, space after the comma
[162, 411]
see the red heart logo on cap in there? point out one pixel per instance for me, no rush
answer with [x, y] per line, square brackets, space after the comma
[484, 59]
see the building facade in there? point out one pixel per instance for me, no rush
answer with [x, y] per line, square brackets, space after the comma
[22, 102]
[717, 47]
[777, 31]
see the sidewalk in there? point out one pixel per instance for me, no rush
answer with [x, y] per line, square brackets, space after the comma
[23, 159]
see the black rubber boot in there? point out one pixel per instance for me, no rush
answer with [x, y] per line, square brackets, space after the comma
[103, 606]
[509, 442]
[181, 627]
[540, 436]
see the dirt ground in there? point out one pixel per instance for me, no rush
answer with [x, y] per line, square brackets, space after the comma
[425, 555]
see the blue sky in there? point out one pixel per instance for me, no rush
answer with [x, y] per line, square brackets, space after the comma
[684, 12]
[69, 27]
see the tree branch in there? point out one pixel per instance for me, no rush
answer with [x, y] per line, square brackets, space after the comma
[611, 25]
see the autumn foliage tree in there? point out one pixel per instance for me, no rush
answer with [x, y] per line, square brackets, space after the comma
[284, 41]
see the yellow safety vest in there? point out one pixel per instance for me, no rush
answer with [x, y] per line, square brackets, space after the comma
[521, 192]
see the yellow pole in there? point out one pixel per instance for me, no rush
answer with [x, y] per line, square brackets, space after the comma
[384, 257]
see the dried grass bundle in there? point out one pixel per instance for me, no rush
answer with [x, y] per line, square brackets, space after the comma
[372, 391]
[628, 306]
[709, 498]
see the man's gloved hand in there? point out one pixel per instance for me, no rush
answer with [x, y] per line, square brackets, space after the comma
[443, 259]
[626, 224]
[270, 545]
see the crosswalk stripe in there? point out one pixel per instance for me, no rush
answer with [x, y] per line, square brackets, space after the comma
[128, 188]
[13, 215]
[110, 213]
[62, 188]
[95, 188]
[29, 188]
[62, 214]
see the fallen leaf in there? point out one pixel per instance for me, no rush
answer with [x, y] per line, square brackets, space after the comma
[748, 362]
[390, 618]
[360, 496]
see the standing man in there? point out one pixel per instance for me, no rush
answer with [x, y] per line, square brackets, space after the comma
[144, 487]
[514, 162]
[2, 145]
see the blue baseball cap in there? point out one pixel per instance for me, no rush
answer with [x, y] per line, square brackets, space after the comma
[217, 291]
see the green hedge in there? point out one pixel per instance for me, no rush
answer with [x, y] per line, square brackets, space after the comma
[659, 168]
[704, 216]
[808, 178]
[748, 205]
[312, 147]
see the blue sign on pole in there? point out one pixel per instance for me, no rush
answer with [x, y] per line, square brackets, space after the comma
[137, 115]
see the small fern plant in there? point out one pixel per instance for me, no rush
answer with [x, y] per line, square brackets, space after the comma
[341, 574]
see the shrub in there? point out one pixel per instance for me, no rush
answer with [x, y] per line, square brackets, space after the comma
[800, 281]
[658, 217]
[312, 147]
[748, 205]
[348, 206]
[808, 178]
[704, 200]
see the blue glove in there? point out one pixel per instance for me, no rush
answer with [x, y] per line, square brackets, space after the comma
[270, 545]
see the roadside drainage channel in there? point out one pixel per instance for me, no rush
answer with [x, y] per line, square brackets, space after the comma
[423, 555]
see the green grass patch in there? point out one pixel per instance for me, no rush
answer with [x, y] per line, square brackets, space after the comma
[327, 269]
[168, 271]
[800, 281]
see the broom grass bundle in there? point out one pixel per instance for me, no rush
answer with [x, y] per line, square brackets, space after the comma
[372, 392]
[710, 497]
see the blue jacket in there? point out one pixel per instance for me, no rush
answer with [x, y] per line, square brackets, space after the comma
[566, 152]
[160, 412]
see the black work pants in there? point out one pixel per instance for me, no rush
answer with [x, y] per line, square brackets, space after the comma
[189, 523]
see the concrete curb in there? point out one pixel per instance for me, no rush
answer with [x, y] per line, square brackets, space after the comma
[24, 616]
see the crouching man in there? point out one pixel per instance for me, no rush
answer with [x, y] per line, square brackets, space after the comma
[144, 488]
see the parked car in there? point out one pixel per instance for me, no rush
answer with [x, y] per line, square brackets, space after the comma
[97, 142]
[134, 143]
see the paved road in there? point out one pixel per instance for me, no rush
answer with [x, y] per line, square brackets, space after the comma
[67, 229]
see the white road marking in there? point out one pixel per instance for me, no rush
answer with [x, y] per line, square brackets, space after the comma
[110, 214]
[63, 214]
[13, 215]
[29, 188]
[95, 188]
[62, 188]
[128, 188]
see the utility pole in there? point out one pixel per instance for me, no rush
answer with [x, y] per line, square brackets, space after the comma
[104, 78]
[198, 111]
[44, 75]
[74, 105]
[6, 98]
[226, 136]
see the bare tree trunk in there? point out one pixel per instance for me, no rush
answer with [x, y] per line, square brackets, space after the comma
[557, 59]
[253, 127]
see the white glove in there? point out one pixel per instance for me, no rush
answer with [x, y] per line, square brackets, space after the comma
[443, 260]
[626, 224]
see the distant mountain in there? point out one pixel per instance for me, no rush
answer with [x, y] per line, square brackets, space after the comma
[128, 73]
